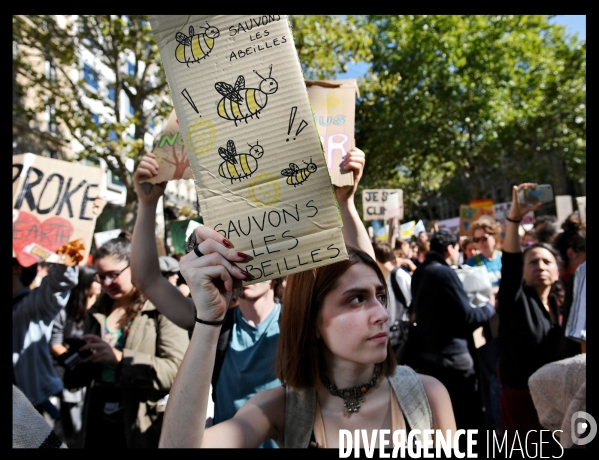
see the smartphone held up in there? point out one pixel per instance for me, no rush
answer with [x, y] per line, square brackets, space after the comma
[542, 193]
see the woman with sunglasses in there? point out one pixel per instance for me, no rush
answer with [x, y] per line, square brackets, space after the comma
[485, 233]
[334, 359]
[140, 351]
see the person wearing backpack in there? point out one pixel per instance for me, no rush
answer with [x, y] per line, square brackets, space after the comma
[400, 297]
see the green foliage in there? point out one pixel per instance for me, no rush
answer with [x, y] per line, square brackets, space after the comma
[327, 44]
[112, 41]
[472, 99]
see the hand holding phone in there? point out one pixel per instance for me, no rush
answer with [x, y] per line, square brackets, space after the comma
[542, 193]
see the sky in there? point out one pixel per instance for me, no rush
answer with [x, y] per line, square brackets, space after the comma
[573, 23]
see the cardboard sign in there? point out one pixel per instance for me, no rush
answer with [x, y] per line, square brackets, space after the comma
[169, 147]
[52, 204]
[255, 154]
[374, 203]
[334, 105]
[469, 214]
[581, 202]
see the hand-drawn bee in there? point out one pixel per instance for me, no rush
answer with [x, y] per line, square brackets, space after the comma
[297, 176]
[239, 166]
[241, 103]
[195, 47]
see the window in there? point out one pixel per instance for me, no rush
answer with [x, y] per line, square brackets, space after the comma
[52, 154]
[130, 69]
[112, 93]
[90, 76]
[114, 183]
[96, 119]
[112, 135]
[51, 73]
[131, 108]
[52, 126]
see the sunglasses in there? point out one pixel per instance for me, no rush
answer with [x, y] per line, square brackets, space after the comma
[483, 238]
[109, 276]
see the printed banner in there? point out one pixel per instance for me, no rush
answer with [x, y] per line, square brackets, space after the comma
[255, 154]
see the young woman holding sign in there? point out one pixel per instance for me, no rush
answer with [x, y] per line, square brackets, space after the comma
[334, 359]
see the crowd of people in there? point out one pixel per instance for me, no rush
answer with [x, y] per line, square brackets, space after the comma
[131, 350]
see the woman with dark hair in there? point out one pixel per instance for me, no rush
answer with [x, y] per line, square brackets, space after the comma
[334, 360]
[529, 322]
[68, 325]
[140, 351]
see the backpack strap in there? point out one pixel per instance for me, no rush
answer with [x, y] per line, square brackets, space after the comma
[412, 399]
[221, 348]
[399, 296]
[300, 408]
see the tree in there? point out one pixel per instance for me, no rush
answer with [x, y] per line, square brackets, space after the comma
[469, 101]
[327, 44]
[122, 44]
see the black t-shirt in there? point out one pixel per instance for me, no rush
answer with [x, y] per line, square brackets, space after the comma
[527, 337]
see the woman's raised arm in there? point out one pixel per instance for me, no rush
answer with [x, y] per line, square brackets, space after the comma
[210, 278]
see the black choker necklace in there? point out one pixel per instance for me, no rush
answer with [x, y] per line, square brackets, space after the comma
[353, 396]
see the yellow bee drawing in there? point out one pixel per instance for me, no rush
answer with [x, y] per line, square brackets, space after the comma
[297, 176]
[195, 47]
[241, 103]
[237, 167]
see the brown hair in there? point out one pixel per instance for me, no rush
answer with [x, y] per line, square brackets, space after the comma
[382, 251]
[299, 359]
[487, 224]
[120, 248]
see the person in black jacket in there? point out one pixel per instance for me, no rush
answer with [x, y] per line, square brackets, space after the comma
[529, 323]
[445, 321]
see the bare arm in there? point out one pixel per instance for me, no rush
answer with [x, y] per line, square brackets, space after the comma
[145, 270]
[511, 242]
[210, 279]
[354, 232]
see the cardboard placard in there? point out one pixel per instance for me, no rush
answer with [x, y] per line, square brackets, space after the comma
[334, 106]
[52, 205]
[374, 203]
[255, 154]
[469, 214]
[171, 155]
